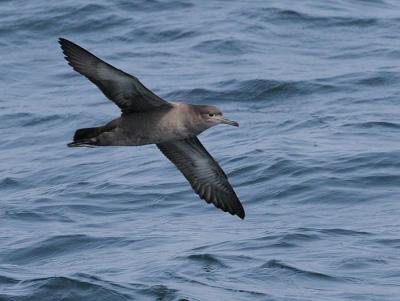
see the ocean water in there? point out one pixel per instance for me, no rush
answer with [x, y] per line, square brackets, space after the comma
[315, 86]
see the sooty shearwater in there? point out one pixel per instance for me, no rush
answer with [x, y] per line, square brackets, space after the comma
[148, 119]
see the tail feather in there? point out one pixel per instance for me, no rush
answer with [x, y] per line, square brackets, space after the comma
[86, 137]
[87, 133]
[91, 137]
[83, 143]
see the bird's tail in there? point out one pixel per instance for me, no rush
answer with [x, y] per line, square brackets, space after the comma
[86, 137]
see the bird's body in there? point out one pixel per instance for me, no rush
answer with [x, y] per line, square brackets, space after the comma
[150, 127]
[148, 119]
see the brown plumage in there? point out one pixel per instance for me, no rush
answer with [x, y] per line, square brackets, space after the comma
[148, 119]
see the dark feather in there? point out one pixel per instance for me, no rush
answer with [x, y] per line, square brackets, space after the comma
[204, 174]
[125, 90]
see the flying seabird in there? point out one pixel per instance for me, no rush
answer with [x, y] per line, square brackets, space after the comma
[148, 119]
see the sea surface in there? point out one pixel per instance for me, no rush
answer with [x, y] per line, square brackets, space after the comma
[315, 86]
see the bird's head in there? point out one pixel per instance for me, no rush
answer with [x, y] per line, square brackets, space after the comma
[212, 116]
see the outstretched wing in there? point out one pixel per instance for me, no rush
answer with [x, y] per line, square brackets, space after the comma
[125, 90]
[204, 174]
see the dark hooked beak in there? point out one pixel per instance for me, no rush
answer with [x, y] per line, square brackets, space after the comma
[230, 122]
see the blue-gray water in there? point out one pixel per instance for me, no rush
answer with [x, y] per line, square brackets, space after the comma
[315, 86]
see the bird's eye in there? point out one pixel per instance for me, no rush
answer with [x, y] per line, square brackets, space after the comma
[211, 114]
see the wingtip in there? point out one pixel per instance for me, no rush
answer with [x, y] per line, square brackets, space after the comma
[241, 214]
[65, 43]
[62, 41]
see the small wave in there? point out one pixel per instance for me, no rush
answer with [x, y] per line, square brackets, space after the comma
[57, 246]
[285, 16]
[360, 262]
[40, 120]
[377, 180]
[300, 237]
[368, 160]
[9, 182]
[245, 169]
[63, 288]
[253, 90]
[391, 242]
[208, 259]
[68, 18]
[289, 240]
[15, 119]
[298, 190]
[37, 215]
[361, 79]
[276, 264]
[222, 47]
[5, 280]
[158, 35]
[337, 231]
[33, 119]
[161, 292]
[279, 168]
[153, 5]
[374, 124]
